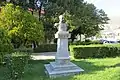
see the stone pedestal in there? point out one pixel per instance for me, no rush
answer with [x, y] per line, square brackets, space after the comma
[57, 70]
[62, 65]
[62, 54]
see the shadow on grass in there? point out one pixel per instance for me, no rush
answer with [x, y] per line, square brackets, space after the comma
[40, 61]
[35, 69]
[37, 66]
[90, 67]
[116, 65]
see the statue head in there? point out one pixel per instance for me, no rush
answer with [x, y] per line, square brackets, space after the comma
[61, 18]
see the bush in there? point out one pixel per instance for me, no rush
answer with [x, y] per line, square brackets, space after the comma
[16, 63]
[2, 54]
[96, 42]
[1, 57]
[85, 42]
[29, 50]
[5, 44]
[46, 48]
[95, 51]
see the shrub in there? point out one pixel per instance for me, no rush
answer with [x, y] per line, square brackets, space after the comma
[96, 42]
[95, 51]
[85, 42]
[1, 57]
[29, 50]
[2, 54]
[5, 44]
[15, 64]
[46, 48]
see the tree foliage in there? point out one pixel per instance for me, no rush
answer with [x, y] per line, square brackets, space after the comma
[21, 25]
[83, 18]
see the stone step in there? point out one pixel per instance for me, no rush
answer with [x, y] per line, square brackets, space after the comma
[59, 67]
[62, 71]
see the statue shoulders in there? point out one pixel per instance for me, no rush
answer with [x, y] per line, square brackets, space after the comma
[56, 24]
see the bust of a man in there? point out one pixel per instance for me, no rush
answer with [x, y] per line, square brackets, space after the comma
[61, 18]
[62, 26]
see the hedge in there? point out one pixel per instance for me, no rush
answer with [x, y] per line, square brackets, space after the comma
[15, 64]
[28, 50]
[2, 54]
[95, 51]
[46, 48]
[86, 42]
[5, 49]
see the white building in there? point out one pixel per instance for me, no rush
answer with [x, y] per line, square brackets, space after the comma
[111, 33]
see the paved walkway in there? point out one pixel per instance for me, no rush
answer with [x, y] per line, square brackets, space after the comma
[43, 56]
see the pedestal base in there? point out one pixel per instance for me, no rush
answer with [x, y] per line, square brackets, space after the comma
[54, 70]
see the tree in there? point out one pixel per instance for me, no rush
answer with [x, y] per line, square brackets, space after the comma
[2, 2]
[83, 18]
[21, 25]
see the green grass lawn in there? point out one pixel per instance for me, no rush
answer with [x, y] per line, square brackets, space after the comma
[95, 69]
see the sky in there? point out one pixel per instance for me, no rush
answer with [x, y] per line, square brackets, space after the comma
[111, 8]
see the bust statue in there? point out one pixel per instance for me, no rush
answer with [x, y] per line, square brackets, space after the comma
[61, 18]
[62, 26]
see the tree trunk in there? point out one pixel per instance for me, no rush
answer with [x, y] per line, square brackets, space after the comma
[25, 42]
[37, 44]
[80, 37]
[34, 45]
